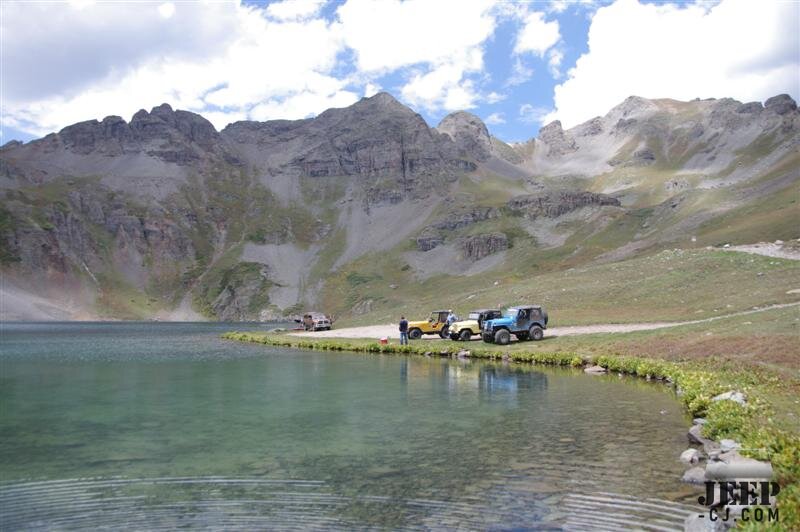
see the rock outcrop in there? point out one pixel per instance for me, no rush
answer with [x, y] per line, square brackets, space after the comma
[476, 247]
[552, 205]
[465, 217]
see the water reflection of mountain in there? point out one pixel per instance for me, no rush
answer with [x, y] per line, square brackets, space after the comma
[465, 379]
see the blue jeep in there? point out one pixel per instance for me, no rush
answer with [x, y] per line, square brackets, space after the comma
[526, 322]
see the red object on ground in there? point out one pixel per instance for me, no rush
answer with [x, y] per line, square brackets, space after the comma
[384, 340]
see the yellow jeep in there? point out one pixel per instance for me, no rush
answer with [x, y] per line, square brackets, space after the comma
[464, 329]
[436, 324]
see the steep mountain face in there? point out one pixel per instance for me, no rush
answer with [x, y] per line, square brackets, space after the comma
[699, 137]
[165, 217]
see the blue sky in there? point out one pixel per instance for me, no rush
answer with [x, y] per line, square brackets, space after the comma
[517, 65]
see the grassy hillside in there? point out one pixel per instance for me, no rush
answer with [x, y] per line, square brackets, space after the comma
[671, 285]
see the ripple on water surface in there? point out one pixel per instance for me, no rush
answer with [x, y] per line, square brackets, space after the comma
[161, 427]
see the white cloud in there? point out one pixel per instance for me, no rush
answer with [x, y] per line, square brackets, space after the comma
[388, 35]
[537, 35]
[531, 114]
[559, 6]
[371, 89]
[230, 60]
[494, 97]
[166, 10]
[494, 119]
[520, 73]
[745, 50]
[444, 86]
[294, 9]
[554, 59]
[301, 105]
[226, 58]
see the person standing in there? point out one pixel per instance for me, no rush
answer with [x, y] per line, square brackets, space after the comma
[403, 331]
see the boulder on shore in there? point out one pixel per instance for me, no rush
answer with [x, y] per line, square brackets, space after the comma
[691, 456]
[736, 397]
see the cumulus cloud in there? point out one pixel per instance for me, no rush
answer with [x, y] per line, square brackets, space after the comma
[537, 35]
[66, 62]
[531, 114]
[494, 97]
[294, 9]
[494, 119]
[387, 35]
[554, 59]
[745, 50]
[223, 59]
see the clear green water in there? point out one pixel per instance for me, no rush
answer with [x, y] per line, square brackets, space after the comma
[152, 425]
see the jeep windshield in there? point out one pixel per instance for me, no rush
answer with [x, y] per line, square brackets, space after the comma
[511, 313]
[474, 315]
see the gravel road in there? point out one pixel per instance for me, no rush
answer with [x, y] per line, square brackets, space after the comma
[390, 330]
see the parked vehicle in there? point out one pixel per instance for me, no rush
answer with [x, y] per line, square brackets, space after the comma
[436, 324]
[464, 329]
[526, 322]
[316, 321]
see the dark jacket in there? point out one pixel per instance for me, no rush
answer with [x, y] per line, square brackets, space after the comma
[403, 325]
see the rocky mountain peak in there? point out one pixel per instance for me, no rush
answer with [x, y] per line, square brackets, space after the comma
[633, 106]
[781, 104]
[557, 140]
[468, 132]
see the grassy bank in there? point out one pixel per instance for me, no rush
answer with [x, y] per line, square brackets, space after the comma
[758, 425]
[673, 285]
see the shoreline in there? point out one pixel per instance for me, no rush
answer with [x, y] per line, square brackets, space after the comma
[697, 386]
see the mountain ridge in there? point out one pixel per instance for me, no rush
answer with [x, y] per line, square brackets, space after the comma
[150, 217]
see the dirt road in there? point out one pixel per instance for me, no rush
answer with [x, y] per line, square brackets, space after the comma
[390, 331]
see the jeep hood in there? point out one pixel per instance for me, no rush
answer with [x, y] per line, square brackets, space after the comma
[499, 321]
[464, 324]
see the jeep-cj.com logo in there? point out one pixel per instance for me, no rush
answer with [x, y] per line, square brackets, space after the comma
[743, 500]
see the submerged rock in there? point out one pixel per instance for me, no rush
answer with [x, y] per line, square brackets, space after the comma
[695, 475]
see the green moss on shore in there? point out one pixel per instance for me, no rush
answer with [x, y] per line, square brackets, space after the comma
[751, 424]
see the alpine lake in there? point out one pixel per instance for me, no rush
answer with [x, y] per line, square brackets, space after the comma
[164, 425]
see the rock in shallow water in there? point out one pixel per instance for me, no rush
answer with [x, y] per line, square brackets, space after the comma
[595, 370]
[695, 475]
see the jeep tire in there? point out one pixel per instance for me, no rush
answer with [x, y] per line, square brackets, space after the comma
[415, 334]
[536, 333]
[502, 337]
[454, 337]
[465, 335]
[487, 337]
